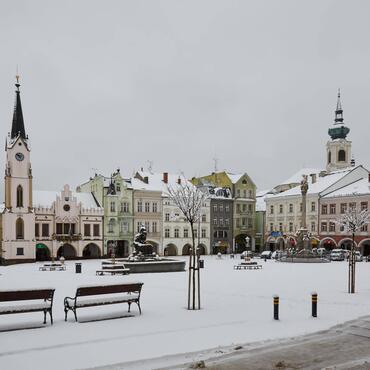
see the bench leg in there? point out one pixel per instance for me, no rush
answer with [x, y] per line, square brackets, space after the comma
[65, 314]
[74, 311]
[138, 304]
[51, 316]
[44, 316]
[129, 306]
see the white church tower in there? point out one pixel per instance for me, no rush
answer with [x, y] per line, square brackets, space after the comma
[338, 149]
[18, 219]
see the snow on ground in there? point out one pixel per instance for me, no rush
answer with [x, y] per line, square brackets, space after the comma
[237, 308]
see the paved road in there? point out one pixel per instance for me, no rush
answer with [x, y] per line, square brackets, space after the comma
[345, 346]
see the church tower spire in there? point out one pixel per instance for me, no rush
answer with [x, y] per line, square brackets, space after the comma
[338, 148]
[18, 123]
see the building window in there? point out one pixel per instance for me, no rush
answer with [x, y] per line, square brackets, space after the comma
[341, 156]
[343, 208]
[69, 229]
[313, 227]
[341, 228]
[250, 194]
[59, 228]
[147, 207]
[118, 187]
[19, 196]
[204, 217]
[186, 233]
[364, 206]
[290, 227]
[227, 208]
[238, 222]
[227, 222]
[244, 221]
[147, 227]
[324, 209]
[96, 230]
[215, 208]
[290, 208]
[45, 230]
[238, 208]
[324, 226]
[244, 208]
[19, 228]
[352, 206]
[87, 230]
[37, 230]
[280, 227]
[250, 223]
[313, 207]
[332, 227]
[140, 206]
[204, 233]
[112, 206]
[280, 208]
[215, 221]
[238, 193]
[221, 222]
[244, 193]
[110, 226]
[221, 206]
[166, 233]
[364, 228]
[167, 217]
[124, 207]
[154, 227]
[333, 209]
[177, 233]
[20, 251]
[271, 210]
[155, 207]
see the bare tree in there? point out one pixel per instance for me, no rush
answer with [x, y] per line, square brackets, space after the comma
[353, 221]
[189, 199]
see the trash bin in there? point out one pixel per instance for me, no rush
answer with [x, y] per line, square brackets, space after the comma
[201, 264]
[78, 268]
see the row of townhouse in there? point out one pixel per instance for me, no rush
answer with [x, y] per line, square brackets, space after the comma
[143, 200]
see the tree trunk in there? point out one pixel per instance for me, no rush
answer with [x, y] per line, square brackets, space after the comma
[193, 255]
[190, 268]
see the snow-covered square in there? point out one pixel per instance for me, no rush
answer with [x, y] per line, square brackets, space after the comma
[236, 308]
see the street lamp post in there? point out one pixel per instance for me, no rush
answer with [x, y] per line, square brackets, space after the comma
[247, 239]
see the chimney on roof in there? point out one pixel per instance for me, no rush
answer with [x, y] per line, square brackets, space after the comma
[313, 177]
[165, 177]
[146, 180]
[353, 162]
[179, 180]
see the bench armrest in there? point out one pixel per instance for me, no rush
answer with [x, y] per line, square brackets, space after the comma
[68, 300]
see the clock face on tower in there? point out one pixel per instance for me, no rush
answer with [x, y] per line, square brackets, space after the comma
[19, 156]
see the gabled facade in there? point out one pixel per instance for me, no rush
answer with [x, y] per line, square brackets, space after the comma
[243, 193]
[115, 195]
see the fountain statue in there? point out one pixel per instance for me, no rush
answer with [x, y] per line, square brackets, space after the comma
[142, 248]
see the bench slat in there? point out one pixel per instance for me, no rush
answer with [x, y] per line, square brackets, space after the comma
[24, 295]
[108, 289]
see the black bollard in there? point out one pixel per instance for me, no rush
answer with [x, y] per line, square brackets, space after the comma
[314, 304]
[276, 307]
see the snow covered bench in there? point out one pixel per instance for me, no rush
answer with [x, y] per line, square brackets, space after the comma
[113, 271]
[34, 296]
[117, 293]
[247, 267]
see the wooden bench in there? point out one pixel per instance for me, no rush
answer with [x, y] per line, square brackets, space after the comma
[119, 293]
[247, 267]
[46, 295]
[52, 267]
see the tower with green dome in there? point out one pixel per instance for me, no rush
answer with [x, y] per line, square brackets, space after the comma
[338, 148]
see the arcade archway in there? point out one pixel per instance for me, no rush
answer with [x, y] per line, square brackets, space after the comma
[91, 251]
[67, 251]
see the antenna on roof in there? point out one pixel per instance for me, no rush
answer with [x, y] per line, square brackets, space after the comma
[150, 166]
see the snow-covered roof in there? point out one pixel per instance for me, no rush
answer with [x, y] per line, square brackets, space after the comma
[156, 183]
[234, 177]
[320, 185]
[297, 177]
[359, 187]
[45, 198]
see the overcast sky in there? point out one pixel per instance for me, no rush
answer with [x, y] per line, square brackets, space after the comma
[109, 84]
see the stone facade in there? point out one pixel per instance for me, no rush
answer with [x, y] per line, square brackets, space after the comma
[115, 195]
